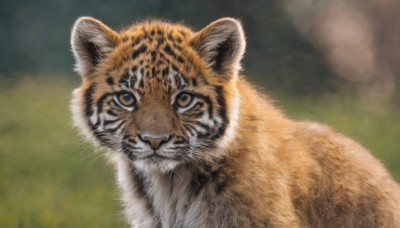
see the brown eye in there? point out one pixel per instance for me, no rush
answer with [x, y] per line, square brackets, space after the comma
[126, 99]
[184, 100]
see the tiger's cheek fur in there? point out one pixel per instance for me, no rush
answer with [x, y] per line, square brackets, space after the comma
[232, 104]
[95, 114]
[78, 119]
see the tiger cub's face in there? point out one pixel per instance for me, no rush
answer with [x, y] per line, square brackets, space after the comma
[158, 93]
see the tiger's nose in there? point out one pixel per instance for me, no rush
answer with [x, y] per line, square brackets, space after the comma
[155, 141]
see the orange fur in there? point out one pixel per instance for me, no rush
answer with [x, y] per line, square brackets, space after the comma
[277, 172]
[304, 174]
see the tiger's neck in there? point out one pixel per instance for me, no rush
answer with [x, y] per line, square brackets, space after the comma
[167, 196]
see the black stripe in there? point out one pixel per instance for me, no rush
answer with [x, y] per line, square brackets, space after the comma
[132, 140]
[100, 102]
[129, 146]
[198, 106]
[127, 152]
[189, 129]
[145, 33]
[198, 182]
[179, 140]
[183, 81]
[153, 72]
[89, 112]
[194, 82]
[222, 112]
[160, 41]
[198, 114]
[93, 51]
[141, 84]
[103, 138]
[89, 101]
[202, 125]
[110, 80]
[180, 59]
[208, 101]
[139, 182]
[183, 33]
[124, 79]
[178, 81]
[178, 47]
[136, 41]
[170, 37]
[169, 51]
[138, 51]
[111, 113]
[196, 132]
[165, 72]
[108, 122]
[113, 130]
[216, 178]
[153, 54]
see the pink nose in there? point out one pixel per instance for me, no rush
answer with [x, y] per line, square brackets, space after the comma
[156, 141]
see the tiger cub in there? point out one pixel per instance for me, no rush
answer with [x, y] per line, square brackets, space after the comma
[195, 145]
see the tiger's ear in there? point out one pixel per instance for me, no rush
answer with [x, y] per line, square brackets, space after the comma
[222, 45]
[91, 40]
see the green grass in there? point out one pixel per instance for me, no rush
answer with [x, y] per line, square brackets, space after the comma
[50, 178]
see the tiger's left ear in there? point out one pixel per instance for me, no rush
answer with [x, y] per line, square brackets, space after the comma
[222, 45]
[91, 41]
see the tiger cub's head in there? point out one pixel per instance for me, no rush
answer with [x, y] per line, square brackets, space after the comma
[158, 93]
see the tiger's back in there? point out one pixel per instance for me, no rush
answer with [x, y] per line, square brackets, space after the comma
[195, 145]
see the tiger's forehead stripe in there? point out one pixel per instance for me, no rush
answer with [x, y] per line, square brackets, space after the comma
[161, 39]
[153, 51]
[159, 58]
[133, 79]
[138, 51]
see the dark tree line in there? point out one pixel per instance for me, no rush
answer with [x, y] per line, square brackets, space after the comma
[34, 36]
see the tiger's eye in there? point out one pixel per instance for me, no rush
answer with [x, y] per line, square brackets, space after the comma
[184, 100]
[126, 99]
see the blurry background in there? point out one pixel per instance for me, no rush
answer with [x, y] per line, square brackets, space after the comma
[333, 61]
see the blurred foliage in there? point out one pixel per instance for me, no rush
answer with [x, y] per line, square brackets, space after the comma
[35, 35]
[50, 178]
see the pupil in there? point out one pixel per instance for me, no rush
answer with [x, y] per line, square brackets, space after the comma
[126, 97]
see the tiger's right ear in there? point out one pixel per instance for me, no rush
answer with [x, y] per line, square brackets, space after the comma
[221, 44]
[91, 40]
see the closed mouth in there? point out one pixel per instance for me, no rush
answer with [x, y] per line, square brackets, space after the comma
[156, 157]
[153, 155]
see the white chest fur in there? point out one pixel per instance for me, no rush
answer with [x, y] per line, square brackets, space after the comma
[160, 199]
